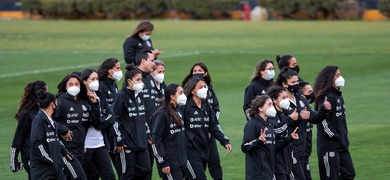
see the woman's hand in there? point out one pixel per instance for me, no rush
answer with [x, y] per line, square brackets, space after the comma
[294, 115]
[262, 135]
[166, 170]
[67, 136]
[294, 134]
[229, 148]
[305, 114]
[327, 104]
[120, 148]
[92, 96]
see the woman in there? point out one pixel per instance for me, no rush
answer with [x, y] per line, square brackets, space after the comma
[334, 159]
[168, 136]
[289, 79]
[287, 61]
[129, 109]
[282, 126]
[96, 158]
[306, 91]
[261, 80]
[159, 84]
[199, 120]
[200, 70]
[259, 140]
[138, 40]
[109, 72]
[75, 108]
[28, 109]
[47, 152]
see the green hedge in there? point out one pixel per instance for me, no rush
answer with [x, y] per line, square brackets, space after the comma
[126, 9]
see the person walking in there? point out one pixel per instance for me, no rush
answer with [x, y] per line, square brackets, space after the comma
[261, 80]
[28, 109]
[139, 40]
[334, 158]
[168, 135]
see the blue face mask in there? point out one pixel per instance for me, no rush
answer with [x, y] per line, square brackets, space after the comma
[145, 37]
[270, 74]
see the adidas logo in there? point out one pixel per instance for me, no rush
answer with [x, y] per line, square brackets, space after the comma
[263, 92]
[71, 109]
[196, 112]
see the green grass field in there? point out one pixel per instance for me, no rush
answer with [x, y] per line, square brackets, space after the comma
[48, 50]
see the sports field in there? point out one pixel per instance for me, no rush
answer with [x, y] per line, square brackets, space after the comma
[48, 50]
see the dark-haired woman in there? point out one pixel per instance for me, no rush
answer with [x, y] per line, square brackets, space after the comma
[199, 120]
[96, 158]
[288, 61]
[47, 152]
[289, 79]
[259, 140]
[139, 40]
[168, 136]
[282, 126]
[75, 108]
[109, 73]
[129, 109]
[261, 80]
[28, 109]
[200, 70]
[334, 158]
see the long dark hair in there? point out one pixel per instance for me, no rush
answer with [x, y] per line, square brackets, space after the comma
[30, 98]
[45, 98]
[142, 27]
[62, 86]
[261, 65]
[256, 103]
[283, 61]
[105, 66]
[86, 73]
[170, 90]
[323, 83]
[284, 75]
[131, 72]
[191, 86]
[207, 78]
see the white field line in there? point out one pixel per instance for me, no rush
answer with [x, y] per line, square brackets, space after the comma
[79, 66]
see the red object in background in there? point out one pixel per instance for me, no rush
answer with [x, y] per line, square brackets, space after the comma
[247, 12]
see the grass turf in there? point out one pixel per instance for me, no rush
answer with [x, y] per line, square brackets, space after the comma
[48, 50]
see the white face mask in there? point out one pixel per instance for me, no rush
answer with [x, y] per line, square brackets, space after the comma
[270, 74]
[181, 100]
[202, 93]
[138, 87]
[73, 91]
[340, 81]
[94, 86]
[145, 37]
[117, 75]
[284, 104]
[271, 112]
[159, 78]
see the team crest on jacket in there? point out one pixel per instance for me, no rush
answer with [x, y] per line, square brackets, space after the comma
[130, 101]
[294, 160]
[302, 104]
[332, 154]
[139, 100]
[152, 83]
[108, 92]
[84, 108]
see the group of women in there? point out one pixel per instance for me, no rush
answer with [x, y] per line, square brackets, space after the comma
[277, 138]
[90, 124]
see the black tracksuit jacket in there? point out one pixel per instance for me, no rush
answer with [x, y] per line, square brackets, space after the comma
[109, 88]
[198, 123]
[299, 145]
[332, 132]
[159, 93]
[257, 87]
[21, 141]
[169, 141]
[259, 155]
[149, 95]
[47, 151]
[282, 128]
[75, 114]
[130, 113]
[133, 45]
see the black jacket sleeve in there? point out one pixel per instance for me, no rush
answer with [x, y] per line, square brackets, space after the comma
[37, 137]
[250, 141]
[158, 134]
[216, 130]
